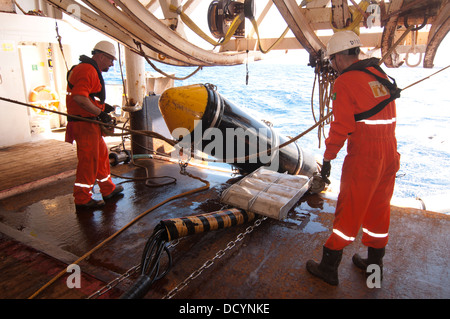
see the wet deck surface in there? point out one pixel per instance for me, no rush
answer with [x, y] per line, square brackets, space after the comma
[41, 232]
[48, 158]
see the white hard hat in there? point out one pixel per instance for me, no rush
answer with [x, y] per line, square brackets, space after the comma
[341, 41]
[106, 47]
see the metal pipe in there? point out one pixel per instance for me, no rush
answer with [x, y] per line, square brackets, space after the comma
[213, 125]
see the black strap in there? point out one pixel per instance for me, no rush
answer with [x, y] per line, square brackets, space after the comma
[376, 109]
[100, 95]
[394, 91]
[74, 119]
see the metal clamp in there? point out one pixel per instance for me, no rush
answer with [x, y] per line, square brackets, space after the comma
[183, 165]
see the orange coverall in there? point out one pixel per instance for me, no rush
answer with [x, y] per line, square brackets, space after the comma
[371, 163]
[92, 153]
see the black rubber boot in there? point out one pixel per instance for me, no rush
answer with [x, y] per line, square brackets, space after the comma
[374, 256]
[327, 270]
[118, 190]
[93, 203]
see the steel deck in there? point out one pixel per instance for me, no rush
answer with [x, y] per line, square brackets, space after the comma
[41, 233]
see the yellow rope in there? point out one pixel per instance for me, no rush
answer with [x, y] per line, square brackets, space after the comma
[90, 252]
[233, 27]
[356, 18]
[324, 76]
[255, 26]
[147, 133]
[425, 78]
[188, 21]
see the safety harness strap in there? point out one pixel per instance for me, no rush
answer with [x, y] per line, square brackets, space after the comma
[73, 119]
[100, 95]
[394, 91]
[376, 109]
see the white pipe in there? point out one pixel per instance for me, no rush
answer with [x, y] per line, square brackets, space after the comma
[435, 203]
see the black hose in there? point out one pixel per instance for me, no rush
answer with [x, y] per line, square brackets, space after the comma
[139, 288]
[150, 265]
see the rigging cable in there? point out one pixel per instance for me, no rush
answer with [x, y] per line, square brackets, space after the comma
[107, 240]
[59, 38]
[148, 177]
[173, 143]
[140, 132]
[232, 29]
[324, 76]
[174, 229]
[205, 187]
[142, 53]
[323, 119]
[281, 37]
[121, 75]
[188, 21]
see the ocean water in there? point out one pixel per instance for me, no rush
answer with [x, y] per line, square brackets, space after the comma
[281, 94]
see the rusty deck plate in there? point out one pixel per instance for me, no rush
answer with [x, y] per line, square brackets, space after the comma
[269, 263]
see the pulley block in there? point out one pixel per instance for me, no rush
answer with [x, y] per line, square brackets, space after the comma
[221, 14]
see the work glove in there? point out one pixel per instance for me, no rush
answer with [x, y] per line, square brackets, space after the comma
[104, 117]
[325, 172]
[108, 108]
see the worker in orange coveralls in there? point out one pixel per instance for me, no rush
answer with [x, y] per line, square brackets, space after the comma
[365, 115]
[86, 98]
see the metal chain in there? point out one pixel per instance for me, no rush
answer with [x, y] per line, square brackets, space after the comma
[122, 277]
[211, 261]
[192, 276]
[114, 282]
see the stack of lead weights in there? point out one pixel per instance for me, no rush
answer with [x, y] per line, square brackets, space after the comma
[267, 192]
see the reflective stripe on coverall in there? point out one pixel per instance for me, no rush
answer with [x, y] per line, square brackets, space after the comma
[368, 172]
[92, 153]
[93, 162]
